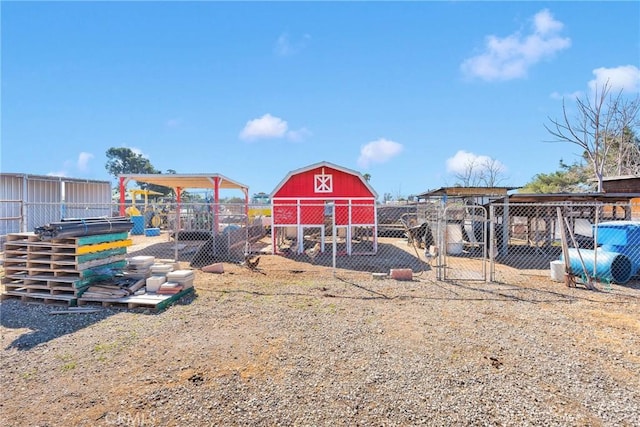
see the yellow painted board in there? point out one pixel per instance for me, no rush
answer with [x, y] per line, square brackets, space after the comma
[87, 249]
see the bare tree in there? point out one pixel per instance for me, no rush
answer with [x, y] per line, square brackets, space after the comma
[492, 173]
[626, 155]
[481, 172]
[598, 128]
[469, 175]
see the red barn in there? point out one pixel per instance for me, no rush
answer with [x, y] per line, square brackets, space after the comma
[319, 196]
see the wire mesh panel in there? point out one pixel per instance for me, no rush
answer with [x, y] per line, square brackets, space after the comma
[551, 240]
[197, 233]
[462, 237]
[507, 243]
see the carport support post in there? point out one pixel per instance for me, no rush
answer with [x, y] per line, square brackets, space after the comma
[122, 195]
[216, 201]
[177, 222]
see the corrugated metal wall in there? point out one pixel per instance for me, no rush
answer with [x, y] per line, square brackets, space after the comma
[29, 201]
[11, 194]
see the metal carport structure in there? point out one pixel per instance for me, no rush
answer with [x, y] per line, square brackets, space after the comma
[179, 182]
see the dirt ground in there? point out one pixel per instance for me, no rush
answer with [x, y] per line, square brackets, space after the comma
[291, 343]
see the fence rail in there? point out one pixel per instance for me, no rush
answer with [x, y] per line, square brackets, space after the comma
[509, 243]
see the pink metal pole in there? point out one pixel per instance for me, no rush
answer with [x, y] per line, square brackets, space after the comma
[122, 196]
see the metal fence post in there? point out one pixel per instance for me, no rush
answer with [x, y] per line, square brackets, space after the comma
[492, 246]
[442, 245]
[334, 236]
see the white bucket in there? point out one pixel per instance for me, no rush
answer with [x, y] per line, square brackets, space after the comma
[153, 283]
[557, 271]
[454, 239]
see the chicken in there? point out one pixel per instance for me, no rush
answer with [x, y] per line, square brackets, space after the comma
[251, 263]
[314, 251]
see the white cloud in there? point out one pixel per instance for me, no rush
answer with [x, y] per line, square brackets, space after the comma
[285, 47]
[80, 165]
[511, 57]
[626, 78]
[266, 126]
[83, 161]
[270, 127]
[378, 151]
[463, 160]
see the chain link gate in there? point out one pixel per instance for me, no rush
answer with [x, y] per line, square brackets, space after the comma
[461, 236]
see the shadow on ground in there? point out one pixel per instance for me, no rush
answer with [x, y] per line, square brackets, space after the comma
[43, 325]
[387, 257]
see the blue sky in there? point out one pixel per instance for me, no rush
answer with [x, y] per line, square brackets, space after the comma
[408, 92]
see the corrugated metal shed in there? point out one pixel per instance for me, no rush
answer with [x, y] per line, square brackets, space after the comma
[28, 201]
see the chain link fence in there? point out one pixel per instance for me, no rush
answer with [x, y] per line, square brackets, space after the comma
[507, 243]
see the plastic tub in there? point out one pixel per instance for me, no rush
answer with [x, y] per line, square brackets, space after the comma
[151, 232]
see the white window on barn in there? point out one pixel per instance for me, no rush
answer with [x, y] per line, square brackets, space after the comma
[323, 183]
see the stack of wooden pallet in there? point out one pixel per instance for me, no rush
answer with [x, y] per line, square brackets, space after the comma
[79, 271]
[60, 269]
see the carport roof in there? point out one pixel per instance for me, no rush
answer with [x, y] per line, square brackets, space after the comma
[467, 192]
[569, 197]
[204, 180]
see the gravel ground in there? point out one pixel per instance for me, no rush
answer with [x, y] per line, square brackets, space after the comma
[294, 350]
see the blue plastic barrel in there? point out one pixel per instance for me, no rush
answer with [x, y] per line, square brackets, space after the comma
[611, 267]
[138, 224]
[622, 237]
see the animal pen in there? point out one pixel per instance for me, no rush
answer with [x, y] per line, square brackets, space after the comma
[589, 237]
[320, 203]
[202, 232]
[506, 238]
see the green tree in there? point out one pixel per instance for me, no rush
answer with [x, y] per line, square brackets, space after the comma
[568, 179]
[122, 160]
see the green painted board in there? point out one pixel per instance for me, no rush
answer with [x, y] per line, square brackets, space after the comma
[165, 303]
[102, 254]
[101, 238]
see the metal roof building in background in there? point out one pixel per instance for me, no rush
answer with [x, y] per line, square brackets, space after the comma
[621, 184]
[466, 192]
